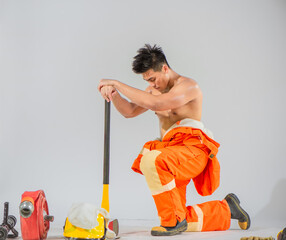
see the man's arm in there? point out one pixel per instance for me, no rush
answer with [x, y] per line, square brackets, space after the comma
[179, 95]
[126, 108]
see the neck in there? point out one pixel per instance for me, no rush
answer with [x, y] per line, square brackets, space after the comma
[173, 77]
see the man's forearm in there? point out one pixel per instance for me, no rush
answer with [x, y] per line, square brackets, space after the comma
[122, 105]
[139, 97]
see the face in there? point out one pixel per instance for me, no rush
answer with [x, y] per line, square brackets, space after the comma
[157, 80]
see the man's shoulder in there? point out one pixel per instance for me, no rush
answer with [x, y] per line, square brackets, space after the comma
[187, 85]
[182, 80]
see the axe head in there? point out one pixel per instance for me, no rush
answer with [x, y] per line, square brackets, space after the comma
[114, 226]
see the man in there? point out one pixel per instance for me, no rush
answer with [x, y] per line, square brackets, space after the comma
[186, 150]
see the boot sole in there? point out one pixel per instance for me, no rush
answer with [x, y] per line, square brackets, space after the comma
[170, 233]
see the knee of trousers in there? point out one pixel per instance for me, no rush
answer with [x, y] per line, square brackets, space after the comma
[149, 169]
[148, 161]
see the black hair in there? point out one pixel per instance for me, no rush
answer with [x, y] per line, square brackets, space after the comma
[149, 57]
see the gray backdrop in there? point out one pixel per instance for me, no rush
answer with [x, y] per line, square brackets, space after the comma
[53, 54]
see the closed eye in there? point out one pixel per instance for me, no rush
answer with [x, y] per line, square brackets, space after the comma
[151, 79]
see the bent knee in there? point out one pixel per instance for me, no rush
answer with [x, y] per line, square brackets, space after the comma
[147, 163]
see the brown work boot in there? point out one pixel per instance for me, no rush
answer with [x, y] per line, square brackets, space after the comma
[170, 231]
[257, 238]
[237, 212]
[282, 235]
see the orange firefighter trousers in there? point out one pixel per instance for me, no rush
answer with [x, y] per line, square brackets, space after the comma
[168, 167]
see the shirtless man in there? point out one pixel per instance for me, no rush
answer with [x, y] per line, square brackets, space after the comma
[186, 150]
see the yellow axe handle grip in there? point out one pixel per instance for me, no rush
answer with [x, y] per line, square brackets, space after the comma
[105, 197]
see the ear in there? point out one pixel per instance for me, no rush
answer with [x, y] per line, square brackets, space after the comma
[165, 68]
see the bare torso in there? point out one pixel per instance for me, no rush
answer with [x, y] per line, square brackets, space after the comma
[192, 109]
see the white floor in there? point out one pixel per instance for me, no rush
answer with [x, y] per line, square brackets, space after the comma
[140, 229]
